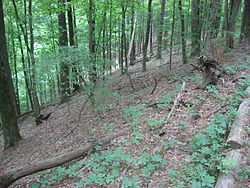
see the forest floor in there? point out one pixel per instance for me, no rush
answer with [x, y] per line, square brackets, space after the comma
[121, 106]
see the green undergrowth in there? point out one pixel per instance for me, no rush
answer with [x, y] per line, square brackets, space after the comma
[199, 168]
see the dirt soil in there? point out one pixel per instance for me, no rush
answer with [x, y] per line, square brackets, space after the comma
[53, 137]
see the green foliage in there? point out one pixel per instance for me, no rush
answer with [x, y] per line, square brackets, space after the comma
[166, 100]
[103, 97]
[226, 165]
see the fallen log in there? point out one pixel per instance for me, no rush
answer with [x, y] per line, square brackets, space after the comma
[235, 140]
[13, 175]
[237, 134]
[228, 180]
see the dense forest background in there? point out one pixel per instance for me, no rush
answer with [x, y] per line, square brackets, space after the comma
[54, 45]
[53, 50]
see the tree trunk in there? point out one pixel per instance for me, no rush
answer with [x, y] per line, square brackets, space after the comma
[132, 35]
[35, 100]
[110, 35]
[26, 77]
[160, 29]
[63, 42]
[195, 28]
[235, 5]
[214, 19]
[247, 29]
[145, 45]
[76, 86]
[7, 97]
[123, 39]
[14, 51]
[183, 41]
[243, 24]
[151, 50]
[225, 25]
[92, 51]
[172, 37]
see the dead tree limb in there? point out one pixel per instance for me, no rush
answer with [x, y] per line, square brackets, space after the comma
[175, 103]
[130, 81]
[152, 92]
[13, 175]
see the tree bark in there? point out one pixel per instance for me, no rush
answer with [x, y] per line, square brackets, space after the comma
[35, 100]
[63, 42]
[160, 29]
[123, 40]
[7, 97]
[195, 28]
[214, 19]
[132, 35]
[247, 29]
[145, 45]
[76, 85]
[172, 37]
[183, 41]
[92, 50]
[235, 5]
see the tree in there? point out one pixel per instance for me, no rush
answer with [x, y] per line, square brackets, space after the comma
[214, 19]
[183, 41]
[172, 36]
[92, 51]
[36, 105]
[63, 42]
[195, 28]
[145, 45]
[160, 30]
[234, 9]
[31, 77]
[247, 30]
[76, 85]
[123, 39]
[8, 110]
[131, 52]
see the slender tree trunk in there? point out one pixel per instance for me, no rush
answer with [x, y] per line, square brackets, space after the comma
[30, 54]
[110, 34]
[7, 97]
[63, 42]
[183, 41]
[235, 5]
[132, 35]
[26, 76]
[160, 29]
[247, 29]
[75, 28]
[172, 37]
[76, 86]
[243, 23]
[104, 47]
[123, 39]
[92, 51]
[14, 51]
[33, 62]
[196, 28]
[151, 50]
[145, 45]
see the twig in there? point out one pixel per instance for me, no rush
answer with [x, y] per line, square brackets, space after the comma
[130, 81]
[175, 103]
[152, 92]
